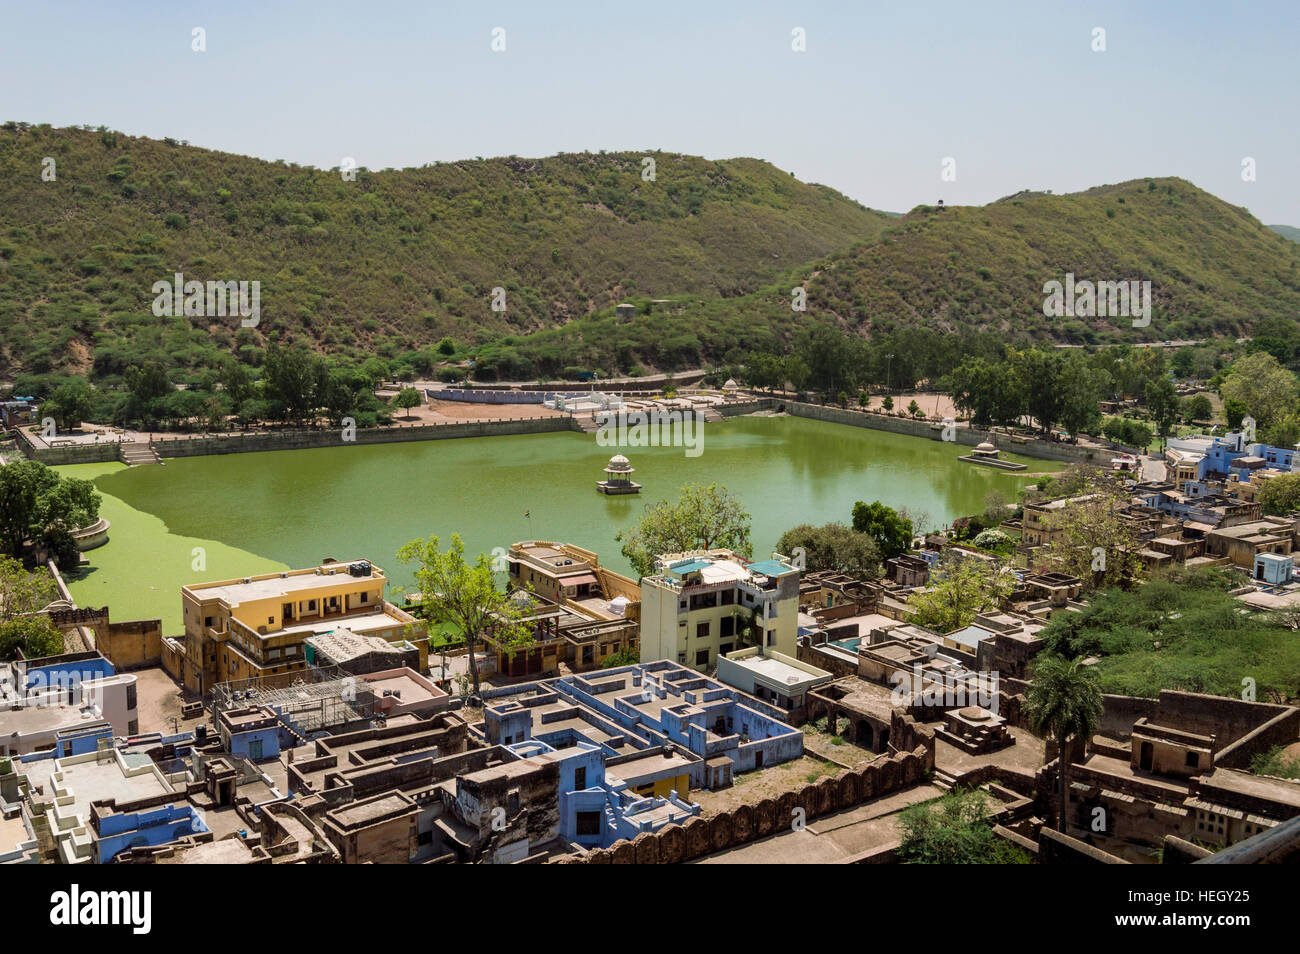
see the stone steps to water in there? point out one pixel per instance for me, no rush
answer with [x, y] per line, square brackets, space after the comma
[587, 425]
[135, 452]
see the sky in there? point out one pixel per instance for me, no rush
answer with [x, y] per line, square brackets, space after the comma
[1016, 95]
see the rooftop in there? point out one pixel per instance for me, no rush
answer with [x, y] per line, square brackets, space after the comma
[234, 592]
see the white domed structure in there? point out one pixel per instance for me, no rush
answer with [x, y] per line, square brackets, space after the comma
[619, 480]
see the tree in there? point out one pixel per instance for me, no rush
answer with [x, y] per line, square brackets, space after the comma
[702, 518]
[1263, 387]
[1280, 495]
[1081, 389]
[892, 533]
[22, 592]
[913, 408]
[1063, 703]
[464, 595]
[832, 546]
[39, 505]
[236, 382]
[1162, 402]
[408, 398]
[1093, 540]
[887, 404]
[35, 635]
[71, 403]
[1197, 408]
[994, 539]
[956, 829]
[294, 377]
[959, 589]
[1039, 373]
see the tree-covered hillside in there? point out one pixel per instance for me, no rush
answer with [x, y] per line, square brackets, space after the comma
[386, 262]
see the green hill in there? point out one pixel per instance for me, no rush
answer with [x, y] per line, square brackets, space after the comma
[945, 275]
[1287, 231]
[391, 261]
[1214, 269]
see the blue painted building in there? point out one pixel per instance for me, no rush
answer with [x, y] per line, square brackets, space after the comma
[1224, 450]
[645, 705]
[165, 824]
[596, 810]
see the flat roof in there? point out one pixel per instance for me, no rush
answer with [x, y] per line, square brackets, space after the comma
[296, 581]
[411, 689]
[371, 809]
[649, 767]
[778, 672]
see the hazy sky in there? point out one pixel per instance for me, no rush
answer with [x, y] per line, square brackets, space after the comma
[884, 92]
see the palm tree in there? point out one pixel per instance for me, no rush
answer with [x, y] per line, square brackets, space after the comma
[1063, 702]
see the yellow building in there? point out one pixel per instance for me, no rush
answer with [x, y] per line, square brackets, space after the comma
[699, 605]
[255, 628]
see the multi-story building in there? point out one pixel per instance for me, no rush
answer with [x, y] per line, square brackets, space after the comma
[582, 613]
[700, 605]
[255, 628]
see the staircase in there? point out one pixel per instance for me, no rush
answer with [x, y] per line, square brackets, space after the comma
[943, 780]
[712, 415]
[136, 452]
[587, 425]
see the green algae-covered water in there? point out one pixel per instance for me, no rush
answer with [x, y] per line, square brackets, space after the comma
[258, 513]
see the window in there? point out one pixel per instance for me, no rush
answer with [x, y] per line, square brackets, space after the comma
[364, 597]
[771, 637]
[311, 605]
[512, 802]
[580, 779]
[133, 727]
[702, 657]
[207, 621]
[130, 696]
[727, 627]
[701, 630]
[728, 597]
[1193, 760]
[681, 659]
[587, 824]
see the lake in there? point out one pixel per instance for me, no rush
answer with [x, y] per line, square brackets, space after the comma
[222, 517]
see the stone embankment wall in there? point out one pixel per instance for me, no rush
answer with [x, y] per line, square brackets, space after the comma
[254, 441]
[1044, 450]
